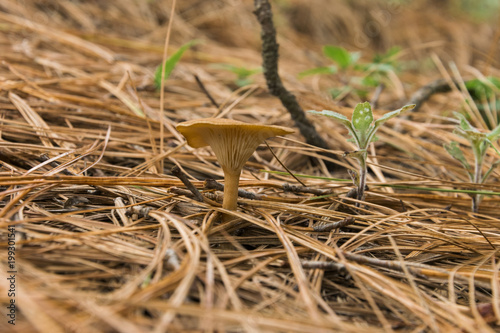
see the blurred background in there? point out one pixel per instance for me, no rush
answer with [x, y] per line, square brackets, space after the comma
[462, 30]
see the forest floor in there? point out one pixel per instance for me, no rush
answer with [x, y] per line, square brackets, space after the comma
[97, 235]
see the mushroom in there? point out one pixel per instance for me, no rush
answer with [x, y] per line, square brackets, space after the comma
[233, 142]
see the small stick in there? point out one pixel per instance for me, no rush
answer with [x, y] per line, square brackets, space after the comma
[209, 198]
[403, 206]
[212, 184]
[323, 265]
[335, 225]
[204, 89]
[181, 191]
[176, 171]
[424, 93]
[55, 164]
[284, 166]
[305, 189]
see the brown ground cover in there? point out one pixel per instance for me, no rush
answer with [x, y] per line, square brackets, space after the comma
[108, 240]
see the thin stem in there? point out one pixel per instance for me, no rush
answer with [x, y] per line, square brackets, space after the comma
[477, 180]
[362, 179]
[230, 201]
[177, 172]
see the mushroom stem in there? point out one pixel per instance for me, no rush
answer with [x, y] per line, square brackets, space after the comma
[233, 142]
[231, 182]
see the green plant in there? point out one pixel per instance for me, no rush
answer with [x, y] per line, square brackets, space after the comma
[373, 73]
[242, 73]
[338, 55]
[362, 128]
[378, 71]
[485, 93]
[170, 63]
[480, 142]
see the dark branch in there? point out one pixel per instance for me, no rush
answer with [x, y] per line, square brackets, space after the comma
[270, 65]
[424, 93]
[207, 93]
[179, 174]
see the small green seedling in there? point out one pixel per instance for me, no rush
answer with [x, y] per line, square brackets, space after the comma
[378, 71]
[344, 60]
[480, 142]
[485, 93]
[242, 73]
[340, 56]
[362, 128]
[170, 63]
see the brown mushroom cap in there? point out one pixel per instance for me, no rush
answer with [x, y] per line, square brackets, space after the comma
[232, 141]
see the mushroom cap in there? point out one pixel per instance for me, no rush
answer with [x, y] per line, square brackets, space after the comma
[232, 141]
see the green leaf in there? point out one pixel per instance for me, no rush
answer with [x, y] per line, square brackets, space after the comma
[244, 73]
[392, 114]
[337, 116]
[354, 57]
[241, 82]
[494, 134]
[488, 173]
[171, 62]
[338, 54]
[362, 117]
[460, 132]
[492, 146]
[477, 89]
[371, 80]
[457, 154]
[387, 57]
[464, 123]
[382, 68]
[319, 70]
[362, 67]
[341, 119]
[241, 72]
[475, 136]
[337, 93]
[483, 88]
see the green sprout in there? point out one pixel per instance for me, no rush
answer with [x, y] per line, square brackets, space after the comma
[242, 73]
[480, 142]
[170, 63]
[373, 73]
[362, 128]
[485, 93]
[379, 70]
[343, 59]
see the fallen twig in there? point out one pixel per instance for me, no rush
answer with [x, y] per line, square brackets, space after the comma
[179, 174]
[325, 227]
[425, 92]
[305, 189]
[270, 66]
[204, 89]
[212, 184]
